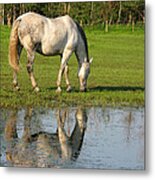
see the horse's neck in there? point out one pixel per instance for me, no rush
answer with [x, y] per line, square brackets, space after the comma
[82, 56]
[81, 53]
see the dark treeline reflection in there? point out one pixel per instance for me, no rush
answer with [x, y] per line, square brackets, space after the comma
[42, 148]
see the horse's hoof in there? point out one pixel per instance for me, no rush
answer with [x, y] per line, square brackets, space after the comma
[83, 90]
[36, 89]
[17, 88]
[58, 90]
[69, 89]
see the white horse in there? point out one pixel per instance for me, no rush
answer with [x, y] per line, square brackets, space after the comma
[49, 37]
[44, 149]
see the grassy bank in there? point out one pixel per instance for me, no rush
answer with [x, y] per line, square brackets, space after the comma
[116, 79]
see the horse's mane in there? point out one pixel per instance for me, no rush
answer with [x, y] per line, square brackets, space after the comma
[84, 38]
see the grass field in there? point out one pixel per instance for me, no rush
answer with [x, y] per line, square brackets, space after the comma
[116, 78]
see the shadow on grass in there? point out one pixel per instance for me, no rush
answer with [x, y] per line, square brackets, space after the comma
[75, 90]
[116, 88]
[103, 88]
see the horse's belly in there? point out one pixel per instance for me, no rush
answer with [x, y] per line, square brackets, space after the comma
[50, 52]
[50, 48]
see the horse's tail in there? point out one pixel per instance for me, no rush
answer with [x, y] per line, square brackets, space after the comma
[13, 46]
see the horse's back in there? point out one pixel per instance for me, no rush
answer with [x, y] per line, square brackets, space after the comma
[36, 21]
[66, 20]
[53, 35]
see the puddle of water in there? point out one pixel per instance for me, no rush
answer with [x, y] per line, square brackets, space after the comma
[100, 138]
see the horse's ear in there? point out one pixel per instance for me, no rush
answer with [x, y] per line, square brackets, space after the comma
[91, 59]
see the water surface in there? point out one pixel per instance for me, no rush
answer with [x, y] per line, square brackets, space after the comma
[100, 138]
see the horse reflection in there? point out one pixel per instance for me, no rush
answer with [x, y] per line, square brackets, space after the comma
[44, 149]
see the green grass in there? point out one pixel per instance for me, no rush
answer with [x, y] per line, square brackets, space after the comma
[116, 78]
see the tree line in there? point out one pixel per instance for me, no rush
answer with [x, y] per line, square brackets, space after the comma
[86, 13]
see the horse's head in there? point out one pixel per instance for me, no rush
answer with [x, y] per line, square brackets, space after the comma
[83, 75]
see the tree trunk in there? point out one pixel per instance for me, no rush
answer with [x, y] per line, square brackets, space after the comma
[119, 12]
[106, 26]
[2, 14]
[14, 12]
[68, 8]
[110, 21]
[22, 9]
[133, 25]
[9, 19]
[65, 8]
[130, 19]
[91, 13]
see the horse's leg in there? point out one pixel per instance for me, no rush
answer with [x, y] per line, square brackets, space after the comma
[15, 80]
[63, 138]
[30, 57]
[27, 124]
[66, 73]
[65, 57]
